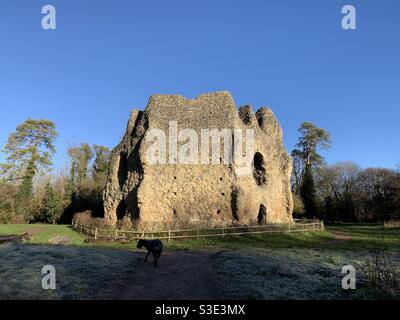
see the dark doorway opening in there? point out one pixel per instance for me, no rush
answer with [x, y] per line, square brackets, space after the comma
[259, 171]
[262, 215]
[121, 210]
[122, 169]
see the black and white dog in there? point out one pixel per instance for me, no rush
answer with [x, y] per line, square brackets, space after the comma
[153, 246]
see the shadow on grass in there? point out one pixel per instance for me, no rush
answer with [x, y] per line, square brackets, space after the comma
[82, 272]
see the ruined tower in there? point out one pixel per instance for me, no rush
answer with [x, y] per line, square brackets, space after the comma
[195, 180]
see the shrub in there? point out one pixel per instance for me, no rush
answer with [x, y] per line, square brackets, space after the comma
[86, 218]
[298, 205]
[7, 203]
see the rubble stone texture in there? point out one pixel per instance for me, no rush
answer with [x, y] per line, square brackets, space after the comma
[168, 196]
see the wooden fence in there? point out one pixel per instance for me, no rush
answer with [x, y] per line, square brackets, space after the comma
[130, 235]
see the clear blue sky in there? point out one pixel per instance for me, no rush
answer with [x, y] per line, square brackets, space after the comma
[107, 57]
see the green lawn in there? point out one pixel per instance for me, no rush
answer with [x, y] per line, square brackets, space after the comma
[45, 232]
[299, 240]
[6, 229]
[368, 236]
[363, 236]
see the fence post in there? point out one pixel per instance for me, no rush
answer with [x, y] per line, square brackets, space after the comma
[95, 233]
[169, 236]
[198, 234]
[322, 225]
[116, 234]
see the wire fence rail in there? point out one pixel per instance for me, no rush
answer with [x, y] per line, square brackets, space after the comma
[130, 235]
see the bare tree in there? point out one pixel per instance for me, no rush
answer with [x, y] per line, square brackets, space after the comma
[80, 159]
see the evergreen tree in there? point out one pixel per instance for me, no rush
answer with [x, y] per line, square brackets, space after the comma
[308, 192]
[51, 205]
[306, 153]
[29, 148]
[26, 187]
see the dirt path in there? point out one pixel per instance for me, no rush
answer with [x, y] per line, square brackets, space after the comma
[28, 233]
[181, 274]
[35, 230]
[339, 237]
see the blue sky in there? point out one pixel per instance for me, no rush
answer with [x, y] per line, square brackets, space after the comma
[107, 57]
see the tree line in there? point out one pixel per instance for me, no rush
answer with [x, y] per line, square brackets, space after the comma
[29, 192]
[343, 192]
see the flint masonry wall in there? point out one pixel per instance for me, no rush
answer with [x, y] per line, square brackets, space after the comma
[148, 196]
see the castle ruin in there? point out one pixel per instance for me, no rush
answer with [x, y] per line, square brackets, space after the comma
[194, 181]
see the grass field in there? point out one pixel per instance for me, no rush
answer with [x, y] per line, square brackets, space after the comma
[363, 237]
[280, 266]
[43, 233]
